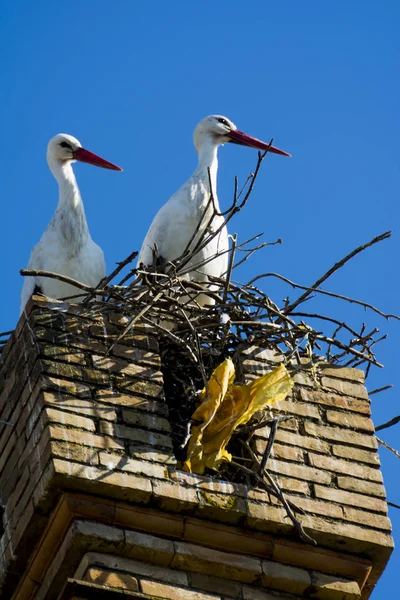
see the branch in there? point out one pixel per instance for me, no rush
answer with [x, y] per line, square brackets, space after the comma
[64, 278]
[337, 266]
[390, 423]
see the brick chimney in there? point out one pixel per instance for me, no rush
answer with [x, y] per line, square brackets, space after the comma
[94, 505]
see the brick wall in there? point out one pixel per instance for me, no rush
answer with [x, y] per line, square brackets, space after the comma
[91, 490]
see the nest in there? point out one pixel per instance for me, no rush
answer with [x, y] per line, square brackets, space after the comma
[194, 340]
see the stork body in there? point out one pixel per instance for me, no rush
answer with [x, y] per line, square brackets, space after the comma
[175, 223]
[66, 246]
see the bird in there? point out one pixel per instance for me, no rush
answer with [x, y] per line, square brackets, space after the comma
[66, 246]
[175, 223]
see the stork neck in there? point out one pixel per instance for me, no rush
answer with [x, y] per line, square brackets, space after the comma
[208, 161]
[69, 195]
[70, 216]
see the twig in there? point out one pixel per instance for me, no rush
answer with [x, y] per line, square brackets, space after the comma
[382, 389]
[63, 278]
[337, 266]
[390, 423]
[385, 445]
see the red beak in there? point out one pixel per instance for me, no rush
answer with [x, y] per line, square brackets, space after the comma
[238, 137]
[88, 157]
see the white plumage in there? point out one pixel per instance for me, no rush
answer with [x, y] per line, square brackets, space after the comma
[176, 222]
[66, 246]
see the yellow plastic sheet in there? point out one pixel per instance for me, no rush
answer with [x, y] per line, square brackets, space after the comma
[225, 407]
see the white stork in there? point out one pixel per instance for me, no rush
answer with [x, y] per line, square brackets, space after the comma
[66, 247]
[176, 221]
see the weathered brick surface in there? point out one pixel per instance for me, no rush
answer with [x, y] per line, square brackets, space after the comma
[344, 419]
[92, 421]
[337, 465]
[332, 400]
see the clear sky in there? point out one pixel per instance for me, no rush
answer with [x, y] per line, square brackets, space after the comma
[131, 80]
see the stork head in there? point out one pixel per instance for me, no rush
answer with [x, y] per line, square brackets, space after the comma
[221, 130]
[64, 148]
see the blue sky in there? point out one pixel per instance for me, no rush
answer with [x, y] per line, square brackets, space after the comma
[132, 79]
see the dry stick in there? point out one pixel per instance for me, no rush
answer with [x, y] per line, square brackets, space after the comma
[172, 336]
[322, 292]
[273, 489]
[385, 445]
[63, 278]
[382, 389]
[253, 250]
[253, 428]
[199, 357]
[337, 266]
[271, 439]
[134, 320]
[229, 271]
[390, 423]
[117, 270]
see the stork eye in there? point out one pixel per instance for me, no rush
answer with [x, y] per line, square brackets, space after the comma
[65, 145]
[223, 121]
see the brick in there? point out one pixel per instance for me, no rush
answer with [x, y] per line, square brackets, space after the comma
[238, 567]
[137, 435]
[354, 538]
[149, 548]
[317, 507]
[129, 401]
[265, 517]
[93, 529]
[63, 386]
[125, 486]
[363, 456]
[75, 452]
[286, 483]
[362, 487]
[283, 577]
[122, 463]
[75, 436]
[360, 516]
[62, 370]
[132, 566]
[136, 355]
[304, 378]
[281, 451]
[337, 465]
[208, 483]
[346, 388]
[148, 421]
[342, 497]
[332, 587]
[298, 409]
[143, 452]
[169, 592]
[348, 373]
[112, 579]
[337, 434]
[141, 387]
[251, 593]
[344, 419]
[294, 439]
[215, 584]
[335, 401]
[80, 406]
[174, 497]
[299, 471]
[62, 353]
[221, 507]
[113, 364]
[66, 418]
